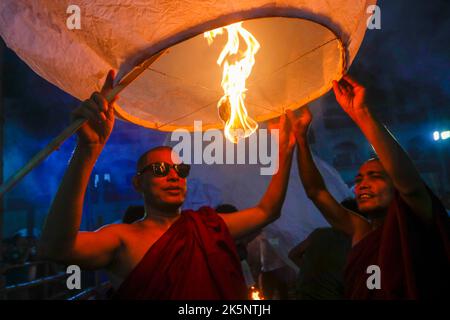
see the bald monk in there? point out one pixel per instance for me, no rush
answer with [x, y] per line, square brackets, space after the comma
[168, 254]
[406, 231]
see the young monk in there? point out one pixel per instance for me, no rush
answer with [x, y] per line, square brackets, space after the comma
[168, 254]
[406, 234]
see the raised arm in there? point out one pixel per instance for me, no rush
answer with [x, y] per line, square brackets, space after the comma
[61, 240]
[268, 209]
[406, 179]
[336, 215]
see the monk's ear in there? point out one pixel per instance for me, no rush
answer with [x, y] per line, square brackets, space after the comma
[137, 184]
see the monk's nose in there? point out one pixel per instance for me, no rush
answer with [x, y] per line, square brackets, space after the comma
[172, 176]
[363, 185]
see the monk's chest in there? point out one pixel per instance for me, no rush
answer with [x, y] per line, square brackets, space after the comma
[135, 246]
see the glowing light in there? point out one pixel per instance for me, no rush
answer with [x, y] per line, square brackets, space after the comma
[442, 135]
[436, 136]
[237, 66]
[255, 294]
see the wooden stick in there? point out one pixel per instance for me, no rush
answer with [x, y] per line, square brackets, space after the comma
[73, 127]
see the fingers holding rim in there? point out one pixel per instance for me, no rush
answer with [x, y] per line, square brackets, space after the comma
[109, 82]
[93, 108]
[273, 123]
[86, 113]
[349, 79]
[110, 112]
[283, 120]
[101, 103]
[291, 116]
[337, 88]
[305, 111]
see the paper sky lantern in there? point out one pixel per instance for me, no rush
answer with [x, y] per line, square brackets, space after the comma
[303, 46]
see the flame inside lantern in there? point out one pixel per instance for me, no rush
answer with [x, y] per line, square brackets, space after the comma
[255, 294]
[236, 70]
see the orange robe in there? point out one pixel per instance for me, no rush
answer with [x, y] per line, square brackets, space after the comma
[414, 258]
[195, 258]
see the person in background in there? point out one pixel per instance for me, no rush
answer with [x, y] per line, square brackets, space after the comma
[241, 246]
[321, 259]
[133, 214]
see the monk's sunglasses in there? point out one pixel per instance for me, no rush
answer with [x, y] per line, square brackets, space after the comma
[162, 169]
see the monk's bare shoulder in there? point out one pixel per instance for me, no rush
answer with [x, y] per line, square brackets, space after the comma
[120, 229]
[133, 245]
[361, 227]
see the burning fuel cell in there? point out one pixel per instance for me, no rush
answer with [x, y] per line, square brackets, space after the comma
[237, 66]
[239, 126]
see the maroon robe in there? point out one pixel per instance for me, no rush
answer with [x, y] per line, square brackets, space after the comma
[414, 258]
[194, 259]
